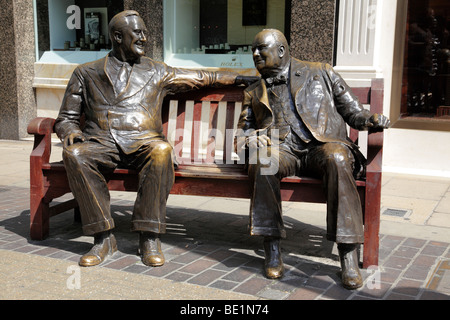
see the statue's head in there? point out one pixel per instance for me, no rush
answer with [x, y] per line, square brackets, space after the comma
[127, 32]
[270, 52]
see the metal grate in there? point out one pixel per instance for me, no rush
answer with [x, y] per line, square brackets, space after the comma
[395, 212]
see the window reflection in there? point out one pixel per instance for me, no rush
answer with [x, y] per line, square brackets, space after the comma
[427, 60]
[217, 33]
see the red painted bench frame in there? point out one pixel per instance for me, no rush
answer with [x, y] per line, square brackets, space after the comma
[204, 178]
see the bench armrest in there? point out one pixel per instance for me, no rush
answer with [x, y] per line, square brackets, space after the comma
[42, 128]
[375, 152]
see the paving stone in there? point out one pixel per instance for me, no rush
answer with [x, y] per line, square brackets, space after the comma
[434, 249]
[164, 270]
[136, 268]
[239, 275]
[207, 277]
[390, 275]
[408, 287]
[337, 292]
[390, 242]
[198, 266]
[406, 252]
[122, 262]
[272, 294]
[416, 272]
[374, 290]
[305, 293]
[253, 286]
[224, 285]
[433, 295]
[397, 296]
[424, 261]
[415, 243]
[397, 262]
[179, 276]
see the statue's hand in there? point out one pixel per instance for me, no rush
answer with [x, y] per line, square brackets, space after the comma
[245, 80]
[255, 142]
[73, 138]
[378, 122]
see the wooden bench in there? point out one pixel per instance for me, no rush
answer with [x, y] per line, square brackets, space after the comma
[208, 165]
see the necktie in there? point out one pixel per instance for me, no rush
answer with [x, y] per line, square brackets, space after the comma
[280, 79]
[122, 79]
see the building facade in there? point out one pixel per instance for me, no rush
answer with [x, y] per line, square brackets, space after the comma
[404, 42]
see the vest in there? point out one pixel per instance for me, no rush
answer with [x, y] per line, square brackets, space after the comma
[291, 129]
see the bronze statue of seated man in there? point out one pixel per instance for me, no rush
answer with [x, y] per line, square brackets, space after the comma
[296, 116]
[121, 97]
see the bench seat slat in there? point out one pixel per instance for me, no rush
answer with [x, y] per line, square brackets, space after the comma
[211, 171]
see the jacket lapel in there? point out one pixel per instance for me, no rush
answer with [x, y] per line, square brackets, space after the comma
[298, 75]
[261, 94]
[141, 74]
[100, 79]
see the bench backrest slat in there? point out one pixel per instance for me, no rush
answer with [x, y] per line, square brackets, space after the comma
[201, 124]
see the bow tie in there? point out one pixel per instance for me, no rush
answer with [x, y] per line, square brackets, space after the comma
[280, 79]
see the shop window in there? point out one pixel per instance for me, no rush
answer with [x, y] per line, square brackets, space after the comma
[218, 33]
[426, 75]
[74, 31]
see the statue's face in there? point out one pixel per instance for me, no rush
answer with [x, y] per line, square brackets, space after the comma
[133, 38]
[266, 54]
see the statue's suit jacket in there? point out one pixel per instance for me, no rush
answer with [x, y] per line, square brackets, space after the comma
[322, 99]
[130, 118]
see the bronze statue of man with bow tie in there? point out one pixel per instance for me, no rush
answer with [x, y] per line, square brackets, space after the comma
[308, 106]
[121, 97]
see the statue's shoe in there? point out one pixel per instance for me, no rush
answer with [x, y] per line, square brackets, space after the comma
[150, 250]
[273, 264]
[104, 247]
[351, 275]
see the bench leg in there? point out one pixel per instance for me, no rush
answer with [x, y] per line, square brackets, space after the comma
[372, 219]
[39, 219]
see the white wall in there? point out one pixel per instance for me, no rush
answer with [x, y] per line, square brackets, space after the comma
[417, 152]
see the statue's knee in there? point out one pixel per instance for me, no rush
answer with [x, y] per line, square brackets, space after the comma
[264, 167]
[339, 155]
[74, 152]
[162, 152]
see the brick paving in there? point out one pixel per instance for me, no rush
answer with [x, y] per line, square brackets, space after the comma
[212, 250]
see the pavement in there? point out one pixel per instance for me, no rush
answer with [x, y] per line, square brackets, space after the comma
[209, 254]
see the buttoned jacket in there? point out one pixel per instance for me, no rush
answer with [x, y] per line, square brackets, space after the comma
[321, 97]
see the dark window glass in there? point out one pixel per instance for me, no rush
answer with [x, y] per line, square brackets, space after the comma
[426, 76]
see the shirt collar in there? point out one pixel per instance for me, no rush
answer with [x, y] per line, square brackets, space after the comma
[116, 63]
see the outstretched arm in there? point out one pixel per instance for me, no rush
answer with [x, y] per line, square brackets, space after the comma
[180, 79]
